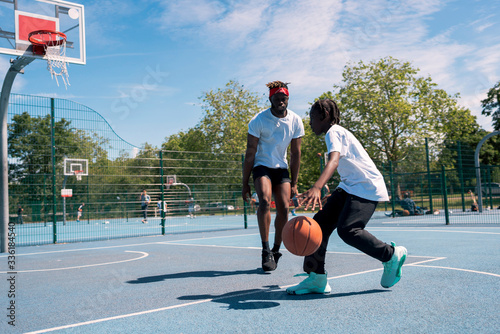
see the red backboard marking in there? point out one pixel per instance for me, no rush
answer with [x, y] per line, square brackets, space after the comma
[28, 24]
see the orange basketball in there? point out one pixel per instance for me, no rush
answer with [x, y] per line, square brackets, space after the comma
[302, 236]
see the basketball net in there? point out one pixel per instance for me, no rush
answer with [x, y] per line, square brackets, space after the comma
[78, 174]
[56, 63]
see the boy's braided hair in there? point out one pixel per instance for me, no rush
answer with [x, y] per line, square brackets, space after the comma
[321, 106]
[277, 84]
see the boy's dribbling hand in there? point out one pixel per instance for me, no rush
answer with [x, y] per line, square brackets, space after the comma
[310, 197]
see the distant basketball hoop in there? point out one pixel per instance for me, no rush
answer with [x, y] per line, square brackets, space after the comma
[171, 180]
[52, 44]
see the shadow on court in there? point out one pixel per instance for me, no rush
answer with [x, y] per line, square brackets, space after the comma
[192, 274]
[269, 297]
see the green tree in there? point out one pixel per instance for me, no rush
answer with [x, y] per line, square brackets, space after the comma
[312, 151]
[392, 110]
[491, 105]
[29, 147]
[223, 127]
[29, 143]
[192, 140]
[227, 113]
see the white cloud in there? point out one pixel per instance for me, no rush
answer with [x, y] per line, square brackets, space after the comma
[239, 24]
[185, 13]
[484, 27]
[485, 61]
[309, 42]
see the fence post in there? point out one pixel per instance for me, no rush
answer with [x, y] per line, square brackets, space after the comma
[163, 207]
[429, 174]
[43, 199]
[383, 175]
[321, 167]
[445, 194]
[88, 199]
[53, 156]
[461, 175]
[488, 190]
[391, 178]
[245, 204]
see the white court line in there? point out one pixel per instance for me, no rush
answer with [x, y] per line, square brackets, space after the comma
[456, 269]
[118, 317]
[433, 258]
[128, 245]
[123, 316]
[84, 266]
[403, 229]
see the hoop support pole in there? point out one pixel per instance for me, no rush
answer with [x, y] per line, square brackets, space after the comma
[17, 67]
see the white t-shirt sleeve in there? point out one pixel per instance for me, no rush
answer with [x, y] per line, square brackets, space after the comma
[255, 127]
[335, 143]
[299, 129]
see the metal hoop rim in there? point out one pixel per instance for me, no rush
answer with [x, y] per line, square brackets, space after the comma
[36, 41]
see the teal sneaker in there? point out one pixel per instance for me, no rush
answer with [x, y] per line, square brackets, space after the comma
[393, 267]
[314, 283]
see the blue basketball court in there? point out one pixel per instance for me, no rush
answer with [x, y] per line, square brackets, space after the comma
[211, 282]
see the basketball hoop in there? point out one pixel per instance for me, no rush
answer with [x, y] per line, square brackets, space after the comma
[52, 44]
[78, 174]
[171, 180]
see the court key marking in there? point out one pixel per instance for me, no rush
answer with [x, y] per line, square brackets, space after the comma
[85, 266]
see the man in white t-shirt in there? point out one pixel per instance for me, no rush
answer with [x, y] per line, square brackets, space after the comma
[270, 133]
[350, 206]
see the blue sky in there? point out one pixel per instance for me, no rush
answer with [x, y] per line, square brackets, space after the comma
[149, 61]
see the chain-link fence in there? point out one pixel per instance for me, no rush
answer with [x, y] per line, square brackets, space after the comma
[448, 196]
[44, 132]
[199, 191]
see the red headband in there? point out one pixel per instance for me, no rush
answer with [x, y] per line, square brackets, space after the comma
[283, 90]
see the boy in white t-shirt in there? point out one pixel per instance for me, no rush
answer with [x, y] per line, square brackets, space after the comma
[350, 206]
[270, 133]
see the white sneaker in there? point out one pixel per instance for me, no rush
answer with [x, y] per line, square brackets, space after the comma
[314, 283]
[393, 267]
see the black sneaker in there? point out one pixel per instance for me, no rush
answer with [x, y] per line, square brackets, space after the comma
[268, 262]
[276, 256]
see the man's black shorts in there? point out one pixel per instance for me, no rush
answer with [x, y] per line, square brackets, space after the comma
[276, 175]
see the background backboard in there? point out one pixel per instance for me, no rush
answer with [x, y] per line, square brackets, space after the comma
[80, 165]
[20, 17]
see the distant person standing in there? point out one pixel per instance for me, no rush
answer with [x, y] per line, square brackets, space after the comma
[145, 200]
[160, 207]
[190, 203]
[80, 212]
[20, 214]
[254, 202]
